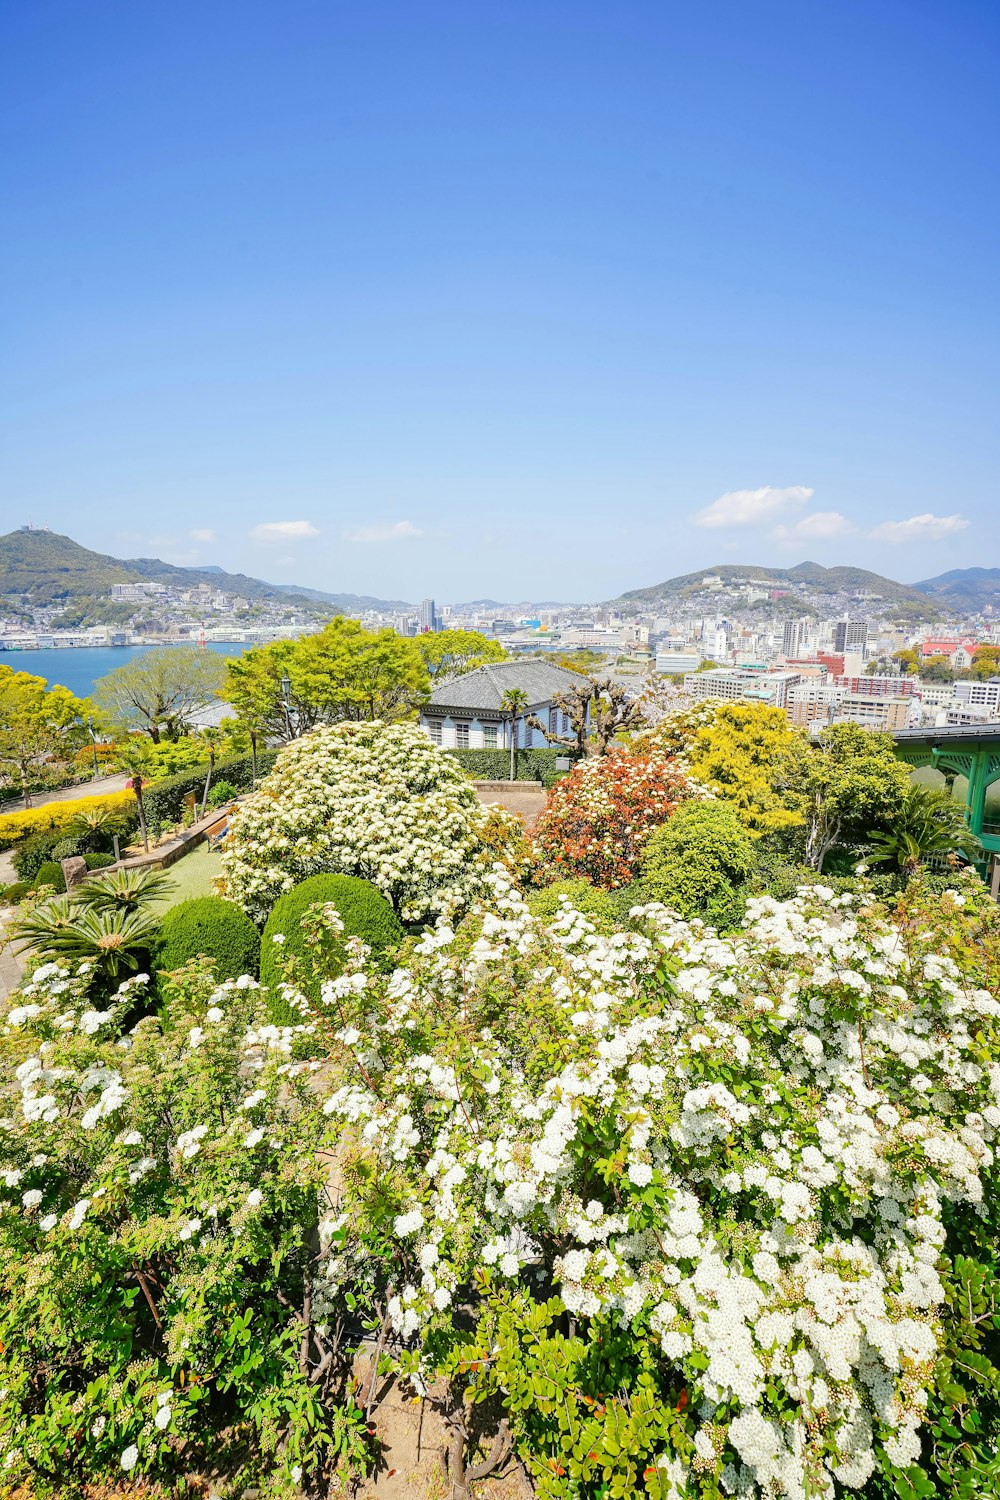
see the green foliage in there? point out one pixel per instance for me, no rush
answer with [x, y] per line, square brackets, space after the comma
[51, 873]
[165, 799]
[928, 824]
[850, 784]
[448, 653]
[16, 891]
[221, 792]
[114, 941]
[158, 691]
[603, 908]
[36, 723]
[702, 863]
[99, 861]
[211, 926]
[364, 912]
[125, 890]
[529, 765]
[33, 852]
[66, 848]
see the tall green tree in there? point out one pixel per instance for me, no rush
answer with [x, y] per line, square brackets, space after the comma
[448, 653]
[36, 723]
[159, 691]
[850, 784]
[342, 672]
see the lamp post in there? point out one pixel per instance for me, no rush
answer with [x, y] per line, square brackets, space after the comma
[286, 702]
[93, 746]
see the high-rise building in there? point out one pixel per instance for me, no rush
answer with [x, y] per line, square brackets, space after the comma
[428, 619]
[792, 638]
[850, 635]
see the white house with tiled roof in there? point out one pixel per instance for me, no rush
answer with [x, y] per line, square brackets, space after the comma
[464, 712]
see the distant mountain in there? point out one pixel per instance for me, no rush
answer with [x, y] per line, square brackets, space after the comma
[819, 583]
[965, 590]
[41, 569]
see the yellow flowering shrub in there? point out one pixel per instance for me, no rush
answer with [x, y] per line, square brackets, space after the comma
[16, 826]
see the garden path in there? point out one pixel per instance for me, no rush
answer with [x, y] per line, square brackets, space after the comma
[98, 788]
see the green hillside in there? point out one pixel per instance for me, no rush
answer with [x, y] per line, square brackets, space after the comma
[41, 569]
[819, 581]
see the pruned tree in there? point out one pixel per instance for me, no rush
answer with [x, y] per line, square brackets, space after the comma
[512, 704]
[597, 713]
[36, 722]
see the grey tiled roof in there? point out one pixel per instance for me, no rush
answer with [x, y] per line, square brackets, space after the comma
[484, 688]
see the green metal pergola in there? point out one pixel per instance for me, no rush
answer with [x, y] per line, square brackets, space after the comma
[969, 752]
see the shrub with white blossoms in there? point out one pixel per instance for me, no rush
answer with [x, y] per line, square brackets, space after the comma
[161, 1195]
[368, 799]
[677, 1201]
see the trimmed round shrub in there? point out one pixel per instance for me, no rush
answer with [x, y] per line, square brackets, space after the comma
[599, 907]
[99, 861]
[212, 926]
[701, 863]
[363, 910]
[51, 873]
[16, 892]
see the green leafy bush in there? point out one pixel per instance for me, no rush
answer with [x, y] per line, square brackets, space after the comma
[363, 910]
[211, 926]
[99, 861]
[600, 907]
[701, 863]
[221, 792]
[165, 799]
[529, 765]
[67, 848]
[51, 873]
[16, 891]
[30, 855]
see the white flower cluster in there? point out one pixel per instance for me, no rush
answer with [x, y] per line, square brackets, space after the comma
[369, 799]
[816, 1080]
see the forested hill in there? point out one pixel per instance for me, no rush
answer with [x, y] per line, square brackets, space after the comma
[809, 580]
[42, 568]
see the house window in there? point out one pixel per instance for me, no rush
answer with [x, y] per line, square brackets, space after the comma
[553, 721]
[489, 736]
[434, 730]
[462, 736]
[565, 723]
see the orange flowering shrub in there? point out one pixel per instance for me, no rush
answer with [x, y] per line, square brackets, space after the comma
[597, 820]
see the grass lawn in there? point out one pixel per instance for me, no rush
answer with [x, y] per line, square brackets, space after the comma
[191, 876]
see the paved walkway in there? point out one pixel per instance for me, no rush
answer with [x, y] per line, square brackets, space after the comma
[524, 797]
[101, 787]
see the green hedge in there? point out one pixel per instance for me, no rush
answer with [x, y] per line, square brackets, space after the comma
[51, 872]
[164, 800]
[212, 926]
[363, 910]
[34, 851]
[529, 765]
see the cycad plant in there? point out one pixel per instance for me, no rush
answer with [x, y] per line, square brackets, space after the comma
[114, 940]
[96, 827]
[124, 890]
[930, 824]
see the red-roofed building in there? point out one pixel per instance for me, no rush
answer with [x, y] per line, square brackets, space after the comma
[958, 652]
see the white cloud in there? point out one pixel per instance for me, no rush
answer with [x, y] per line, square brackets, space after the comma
[751, 507]
[395, 531]
[925, 528]
[283, 531]
[202, 534]
[821, 526]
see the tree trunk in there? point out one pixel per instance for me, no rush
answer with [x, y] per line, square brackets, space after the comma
[25, 788]
[513, 746]
[253, 755]
[208, 781]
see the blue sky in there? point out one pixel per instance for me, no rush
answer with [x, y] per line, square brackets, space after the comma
[532, 300]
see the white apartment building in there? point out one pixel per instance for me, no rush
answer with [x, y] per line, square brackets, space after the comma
[978, 695]
[734, 683]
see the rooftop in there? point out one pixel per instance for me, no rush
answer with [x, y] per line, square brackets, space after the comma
[485, 687]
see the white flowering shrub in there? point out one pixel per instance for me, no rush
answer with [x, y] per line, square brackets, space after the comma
[161, 1211]
[679, 1202]
[369, 799]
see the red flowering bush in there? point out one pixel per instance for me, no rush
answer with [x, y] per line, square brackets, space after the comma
[598, 819]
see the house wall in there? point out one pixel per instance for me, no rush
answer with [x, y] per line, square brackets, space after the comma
[452, 737]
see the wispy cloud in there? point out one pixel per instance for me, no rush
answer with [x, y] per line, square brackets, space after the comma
[391, 531]
[925, 528]
[270, 532]
[751, 507]
[202, 534]
[821, 526]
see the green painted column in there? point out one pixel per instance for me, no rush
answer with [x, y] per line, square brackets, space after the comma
[977, 793]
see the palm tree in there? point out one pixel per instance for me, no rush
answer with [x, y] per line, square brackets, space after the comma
[930, 824]
[513, 703]
[111, 939]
